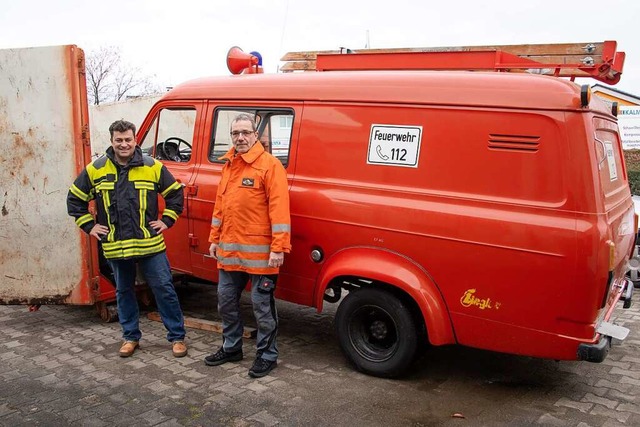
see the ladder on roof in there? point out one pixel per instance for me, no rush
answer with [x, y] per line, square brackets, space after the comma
[599, 60]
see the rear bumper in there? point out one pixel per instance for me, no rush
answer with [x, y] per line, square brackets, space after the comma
[597, 352]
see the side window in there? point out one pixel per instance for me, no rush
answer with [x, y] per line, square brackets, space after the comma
[281, 126]
[274, 131]
[170, 137]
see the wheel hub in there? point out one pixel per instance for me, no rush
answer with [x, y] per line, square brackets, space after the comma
[378, 329]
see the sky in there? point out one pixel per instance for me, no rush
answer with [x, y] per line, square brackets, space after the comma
[175, 41]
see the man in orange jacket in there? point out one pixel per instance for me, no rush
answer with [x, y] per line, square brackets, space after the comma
[250, 233]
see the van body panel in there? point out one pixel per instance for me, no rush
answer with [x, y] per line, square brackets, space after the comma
[445, 218]
[497, 336]
[478, 89]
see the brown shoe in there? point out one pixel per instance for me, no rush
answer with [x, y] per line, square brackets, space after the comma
[179, 349]
[127, 349]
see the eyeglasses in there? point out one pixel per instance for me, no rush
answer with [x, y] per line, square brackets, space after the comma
[245, 133]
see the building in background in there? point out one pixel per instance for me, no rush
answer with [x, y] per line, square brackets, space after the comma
[628, 113]
[101, 116]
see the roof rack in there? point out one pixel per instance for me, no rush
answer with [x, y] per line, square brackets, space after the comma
[599, 61]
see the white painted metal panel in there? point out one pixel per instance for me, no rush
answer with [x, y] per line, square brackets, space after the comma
[41, 258]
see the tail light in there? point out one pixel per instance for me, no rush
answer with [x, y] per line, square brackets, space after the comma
[612, 254]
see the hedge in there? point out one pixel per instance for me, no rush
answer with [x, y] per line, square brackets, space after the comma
[634, 182]
[632, 160]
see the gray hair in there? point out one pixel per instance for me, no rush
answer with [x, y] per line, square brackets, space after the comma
[244, 117]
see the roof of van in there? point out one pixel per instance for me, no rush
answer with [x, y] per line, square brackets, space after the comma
[464, 88]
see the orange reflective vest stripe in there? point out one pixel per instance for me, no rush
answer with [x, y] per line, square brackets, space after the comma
[251, 215]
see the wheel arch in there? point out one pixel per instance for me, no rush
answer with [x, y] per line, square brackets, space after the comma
[396, 273]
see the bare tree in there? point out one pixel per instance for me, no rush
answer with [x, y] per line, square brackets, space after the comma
[109, 79]
[99, 65]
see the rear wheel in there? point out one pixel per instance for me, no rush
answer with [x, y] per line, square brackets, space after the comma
[376, 332]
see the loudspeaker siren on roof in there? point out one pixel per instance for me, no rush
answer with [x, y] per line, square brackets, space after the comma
[240, 62]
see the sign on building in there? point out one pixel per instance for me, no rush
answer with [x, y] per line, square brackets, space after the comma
[629, 124]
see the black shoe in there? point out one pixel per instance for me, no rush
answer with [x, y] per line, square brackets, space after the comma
[262, 367]
[221, 356]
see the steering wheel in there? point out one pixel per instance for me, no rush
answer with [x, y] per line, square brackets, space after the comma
[173, 154]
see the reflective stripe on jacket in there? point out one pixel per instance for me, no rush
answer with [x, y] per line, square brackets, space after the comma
[251, 214]
[126, 201]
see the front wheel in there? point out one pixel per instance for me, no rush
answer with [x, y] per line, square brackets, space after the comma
[376, 332]
[107, 312]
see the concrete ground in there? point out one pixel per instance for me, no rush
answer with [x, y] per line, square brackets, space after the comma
[59, 366]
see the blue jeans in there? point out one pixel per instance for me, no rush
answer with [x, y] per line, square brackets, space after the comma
[157, 273]
[230, 286]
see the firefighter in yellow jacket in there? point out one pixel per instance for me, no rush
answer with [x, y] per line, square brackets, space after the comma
[126, 184]
[250, 233]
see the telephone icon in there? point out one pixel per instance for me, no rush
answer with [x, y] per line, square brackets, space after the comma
[379, 153]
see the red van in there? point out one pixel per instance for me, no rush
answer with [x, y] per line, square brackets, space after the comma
[485, 209]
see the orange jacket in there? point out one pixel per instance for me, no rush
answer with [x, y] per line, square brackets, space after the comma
[251, 214]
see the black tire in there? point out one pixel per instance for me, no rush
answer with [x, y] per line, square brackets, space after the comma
[377, 332]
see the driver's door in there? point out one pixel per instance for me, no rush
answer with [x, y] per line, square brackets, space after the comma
[170, 134]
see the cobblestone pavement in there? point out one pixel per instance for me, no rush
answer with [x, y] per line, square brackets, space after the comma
[59, 366]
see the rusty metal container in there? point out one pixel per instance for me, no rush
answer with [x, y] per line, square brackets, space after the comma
[44, 144]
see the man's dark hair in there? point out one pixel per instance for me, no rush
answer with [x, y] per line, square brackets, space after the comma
[121, 126]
